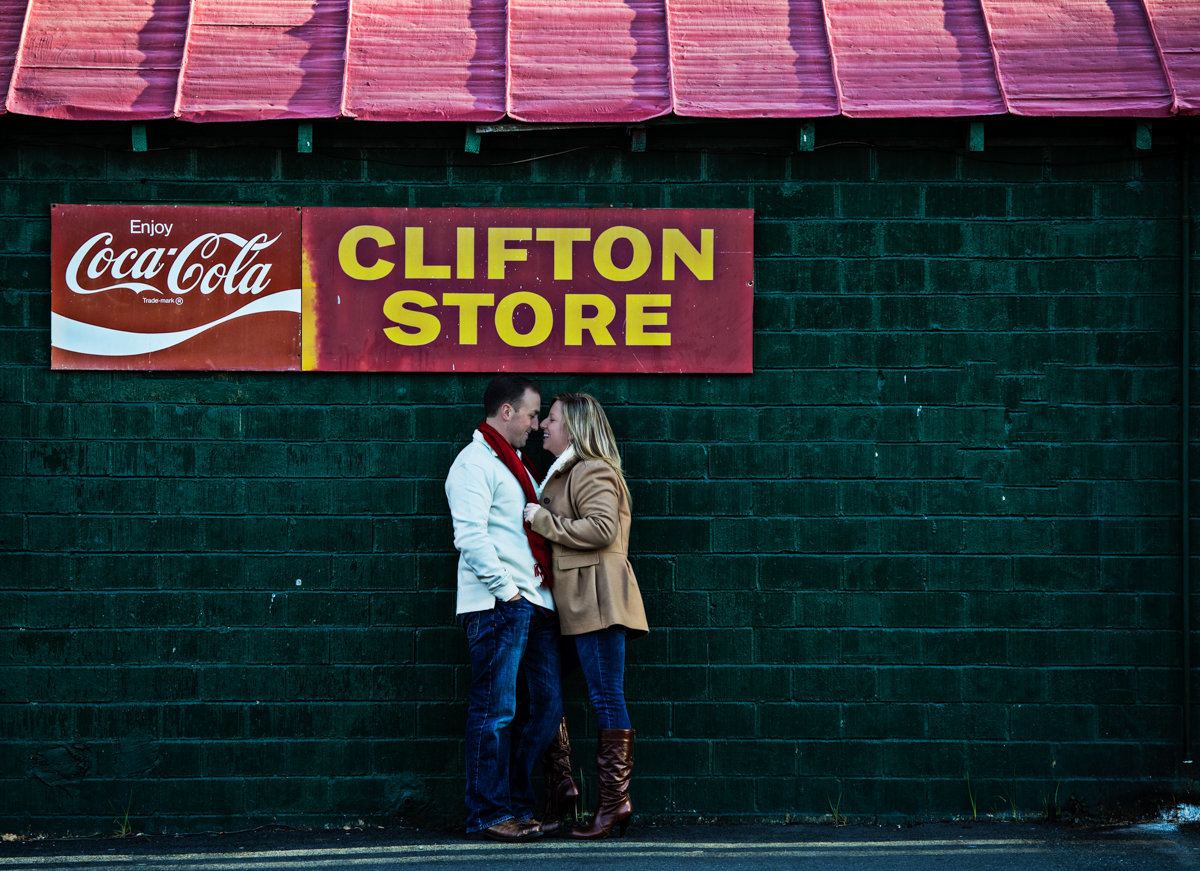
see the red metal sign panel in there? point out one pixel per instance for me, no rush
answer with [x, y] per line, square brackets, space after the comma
[175, 287]
[484, 290]
[434, 290]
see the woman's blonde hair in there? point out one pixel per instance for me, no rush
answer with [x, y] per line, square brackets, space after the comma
[591, 435]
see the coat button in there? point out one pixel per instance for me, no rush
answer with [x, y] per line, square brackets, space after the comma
[546, 500]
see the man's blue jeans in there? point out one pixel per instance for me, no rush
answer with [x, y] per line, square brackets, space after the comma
[602, 659]
[513, 645]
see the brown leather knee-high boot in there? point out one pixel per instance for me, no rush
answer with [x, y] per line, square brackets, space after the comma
[614, 765]
[561, 792]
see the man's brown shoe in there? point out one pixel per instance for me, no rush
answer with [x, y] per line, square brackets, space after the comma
[513, 830]
[548, 827]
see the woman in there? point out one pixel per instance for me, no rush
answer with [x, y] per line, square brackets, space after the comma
[584, 514]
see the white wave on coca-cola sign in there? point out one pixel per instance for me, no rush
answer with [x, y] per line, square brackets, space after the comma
[81, 338]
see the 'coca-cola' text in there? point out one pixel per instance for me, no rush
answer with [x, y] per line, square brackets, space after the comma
[203, 265]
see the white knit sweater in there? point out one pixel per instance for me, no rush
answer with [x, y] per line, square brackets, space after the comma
[486, 505]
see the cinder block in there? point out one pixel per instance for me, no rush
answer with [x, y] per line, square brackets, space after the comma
[756, 683]
[331, 534]
[795, 646]
[676, 609]
[727, 646]
[644, 682]
[804, 719]
[63, 161]
[949, 201]
[285, 424]
[795, 201]
[670, 535]
[752, 609]
[703, 572]
[882, 200]
[220, 164]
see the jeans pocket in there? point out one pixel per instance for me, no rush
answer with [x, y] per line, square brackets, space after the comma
[514, 615]
[472, 624]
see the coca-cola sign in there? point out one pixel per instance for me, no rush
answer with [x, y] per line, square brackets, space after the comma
[175, 287]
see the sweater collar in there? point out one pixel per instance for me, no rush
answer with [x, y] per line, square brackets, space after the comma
[477, 436]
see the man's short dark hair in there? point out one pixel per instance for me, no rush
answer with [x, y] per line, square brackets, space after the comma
[506, 388]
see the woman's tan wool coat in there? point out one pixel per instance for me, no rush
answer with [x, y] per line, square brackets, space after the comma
[586, 522]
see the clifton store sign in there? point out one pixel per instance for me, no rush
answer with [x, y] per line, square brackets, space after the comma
[432, 290]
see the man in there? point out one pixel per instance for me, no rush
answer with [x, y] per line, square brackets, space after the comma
[506, 609]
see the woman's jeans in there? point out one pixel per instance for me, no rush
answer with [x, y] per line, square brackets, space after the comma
[602, 658]
[514, 645]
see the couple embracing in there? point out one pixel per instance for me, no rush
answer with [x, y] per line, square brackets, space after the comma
[543, 570]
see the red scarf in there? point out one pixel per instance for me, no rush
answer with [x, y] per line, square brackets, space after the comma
[525, 473]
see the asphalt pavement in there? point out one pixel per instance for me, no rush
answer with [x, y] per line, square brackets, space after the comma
[926, 847]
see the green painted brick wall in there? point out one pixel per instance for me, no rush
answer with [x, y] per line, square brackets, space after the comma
[928, 551]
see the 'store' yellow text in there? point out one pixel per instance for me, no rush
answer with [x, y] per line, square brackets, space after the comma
[583, 312]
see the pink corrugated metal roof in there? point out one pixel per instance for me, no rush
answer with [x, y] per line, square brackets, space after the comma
[897, 58]
[1077, 57]
[259, 59]
[750, 59]
[12, 17]
[86, 60]
[597, 60]
[1176, 28]
[587, 60]
[416, 60]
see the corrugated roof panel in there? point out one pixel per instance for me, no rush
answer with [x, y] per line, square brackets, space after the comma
[12, 18]
[91, 61]
[751, 59]
[1176, 26]
[259, 59]
[903, 57]
[425, 60]
[587, 60]
[1077, 57]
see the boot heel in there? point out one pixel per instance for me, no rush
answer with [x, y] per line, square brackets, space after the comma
[622, 826]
